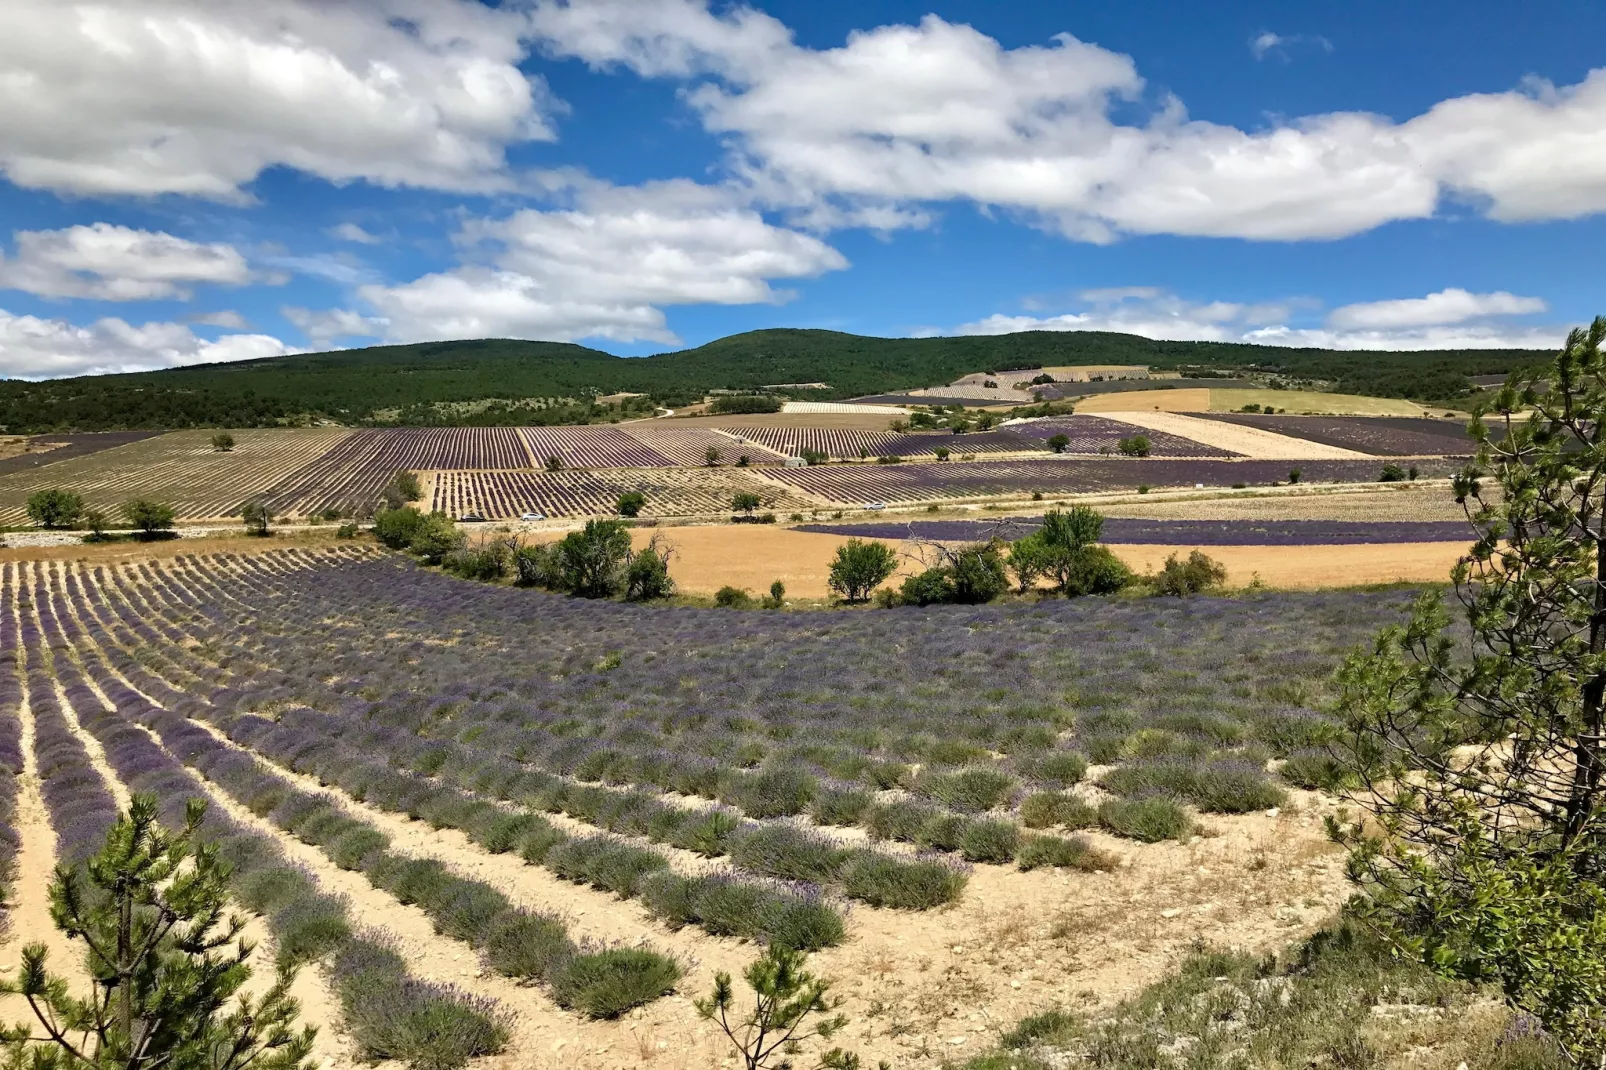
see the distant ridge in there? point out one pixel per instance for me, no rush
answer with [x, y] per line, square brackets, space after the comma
[418, 383]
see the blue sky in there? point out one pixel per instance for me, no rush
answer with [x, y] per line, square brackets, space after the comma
[200, 180]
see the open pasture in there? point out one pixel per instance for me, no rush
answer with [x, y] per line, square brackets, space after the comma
[669, 491]
[1382, 436]
[179, 468]
[864, 484]
[505, 788]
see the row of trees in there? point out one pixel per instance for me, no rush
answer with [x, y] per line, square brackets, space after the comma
[65, 510]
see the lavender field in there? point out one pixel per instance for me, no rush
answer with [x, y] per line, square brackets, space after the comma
[1119, 531]
[1383, 436]
[436, 765]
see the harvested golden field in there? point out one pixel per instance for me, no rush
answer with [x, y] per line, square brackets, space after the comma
[1302, 401]
[1182, 399]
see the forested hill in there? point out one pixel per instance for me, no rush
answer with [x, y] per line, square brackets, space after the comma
[483, 381]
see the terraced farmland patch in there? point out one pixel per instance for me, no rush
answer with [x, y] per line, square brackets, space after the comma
[588, 447]
[179, 468]
[1383, 436]
[689, 446]
[1123, 531]
[836, 443]
[860, 484]
[669, 491]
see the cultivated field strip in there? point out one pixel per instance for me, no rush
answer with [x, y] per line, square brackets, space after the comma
[1383, 436]
[1248, 441]
[1094, 435]
[690, 445]
[349, 477]
[91, 749]
[597, 446]
[245, 781]
[66, 447]
[669, 491]
[830, 779]
[179, 468]
[839, 444]
[862, 484]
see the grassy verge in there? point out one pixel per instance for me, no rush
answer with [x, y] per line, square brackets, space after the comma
[1337, 1000]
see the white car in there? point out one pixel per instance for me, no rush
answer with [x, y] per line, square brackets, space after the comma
[533, 516]
[876, 505]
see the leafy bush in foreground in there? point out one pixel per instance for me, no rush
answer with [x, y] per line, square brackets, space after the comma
[1150, 820]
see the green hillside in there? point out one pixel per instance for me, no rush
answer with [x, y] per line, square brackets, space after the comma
[487, 381]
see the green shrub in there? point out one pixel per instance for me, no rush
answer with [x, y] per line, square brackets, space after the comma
[905, 884]
[1149, 820]
[780, 791]
[1068, 852]
[1048, 808]
[55, 508]
[729, 597]
[630, 503]
[971, 791]
[647, 576]
[1229, 787]
[931, 587]
[725, 906]
[505, 831]
[526, 946]
[1059, 769]
[434, 537]
[1198, 573]
[789, 853]
[839, 806]
[1317, 770]
[308, 928]
[901, 820]
[538, 842]
[150, 518]
[395, 527]
[977, 573]
[609, 982]
[356, 847]
[708, 833]
[989, 841]
[859, 567]
[1093, 570]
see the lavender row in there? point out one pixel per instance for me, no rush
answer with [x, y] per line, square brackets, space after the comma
[388, 1012]
[1388, 436]
[1119, 531]
[620, 744]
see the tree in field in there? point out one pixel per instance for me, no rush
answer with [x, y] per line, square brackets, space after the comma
[223, 442]
[168, 965]
[433, 537]
[790, 1006]
[554, 464]
[647, 573]
[1135, 446]
[711, 456]
[942, 453]
[55, 508]
[1478, 748]
[746, 501]
[859, 567]
[151, 518]
[257, 516]
[630, 503]
[1059, 443]
[591, 562]
[97, 522]
[1064, 549]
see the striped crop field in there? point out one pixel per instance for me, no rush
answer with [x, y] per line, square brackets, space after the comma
[1095, 435]
[590, 446]
[350, 476]
[476, 821]
[859, 484]
[690, 445]
[839, 444]
[669, 491]
[180, 469]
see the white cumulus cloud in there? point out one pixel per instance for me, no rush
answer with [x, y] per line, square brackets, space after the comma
[113, 263]
[32, 347]
[1451, 319]
[200, 96]
[603, 268]
[902, 117]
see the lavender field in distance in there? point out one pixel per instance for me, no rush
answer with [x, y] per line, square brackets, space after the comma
[1121, 531]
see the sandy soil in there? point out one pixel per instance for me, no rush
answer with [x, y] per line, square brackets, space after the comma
[1249, 441]
[708, 558]
[1182, 399]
